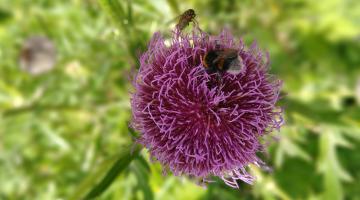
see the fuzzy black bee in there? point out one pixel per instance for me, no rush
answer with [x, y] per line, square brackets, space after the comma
[185, 18]
[221, 61]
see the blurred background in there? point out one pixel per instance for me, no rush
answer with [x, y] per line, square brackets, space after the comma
[64, 100]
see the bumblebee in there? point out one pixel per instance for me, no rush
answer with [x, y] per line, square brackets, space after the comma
[185, 18]
[222, 60]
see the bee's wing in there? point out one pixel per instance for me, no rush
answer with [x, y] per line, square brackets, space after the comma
[173, 20]
[235, 66]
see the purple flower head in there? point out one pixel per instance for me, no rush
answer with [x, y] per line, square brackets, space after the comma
[194, 125]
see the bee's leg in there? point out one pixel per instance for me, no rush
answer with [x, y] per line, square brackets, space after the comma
[197, 26]
[217, 45]
[195, 23]
[219, 79]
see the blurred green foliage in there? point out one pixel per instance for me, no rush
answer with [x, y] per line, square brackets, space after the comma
[63, 130]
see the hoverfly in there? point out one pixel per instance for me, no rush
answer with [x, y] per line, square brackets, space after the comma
[185, 18]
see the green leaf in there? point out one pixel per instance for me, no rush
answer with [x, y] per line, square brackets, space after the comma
[129, 12]
[4, 15]
[142, 176]
[329, 164]
[115, 10]
[288, 146]
[174, 6]
[97, 182]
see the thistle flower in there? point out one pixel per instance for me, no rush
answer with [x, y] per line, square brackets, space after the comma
[191, 124]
